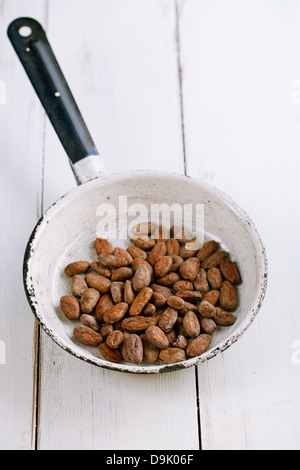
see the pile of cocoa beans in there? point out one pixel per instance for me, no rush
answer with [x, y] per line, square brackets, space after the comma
[158, 301]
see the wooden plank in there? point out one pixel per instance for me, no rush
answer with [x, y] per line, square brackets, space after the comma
[120, 60]
[21, 122]
[240, 63]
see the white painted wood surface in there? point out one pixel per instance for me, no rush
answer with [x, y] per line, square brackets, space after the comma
[137, 69]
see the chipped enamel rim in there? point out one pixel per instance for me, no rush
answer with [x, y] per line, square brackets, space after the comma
[173, 177]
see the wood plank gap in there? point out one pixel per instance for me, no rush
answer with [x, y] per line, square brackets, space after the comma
[35, 386]
[36, 394]
[38, 334]
[46, 23]
[43, 164]
[198, 407]
[179, 68]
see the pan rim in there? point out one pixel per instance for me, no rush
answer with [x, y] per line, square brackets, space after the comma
[256, 305]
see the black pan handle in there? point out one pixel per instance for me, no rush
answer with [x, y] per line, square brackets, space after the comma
[34, 51]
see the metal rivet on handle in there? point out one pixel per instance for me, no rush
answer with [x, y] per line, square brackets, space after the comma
[25, 31]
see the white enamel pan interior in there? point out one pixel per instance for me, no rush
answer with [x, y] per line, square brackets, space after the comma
[67, 230]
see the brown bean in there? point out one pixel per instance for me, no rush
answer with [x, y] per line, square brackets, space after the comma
[117, 291]
[188, 306]
[129, 294]
[100, 269]
[87, 336]
[172, 355]
[114, 339]
[224, 318]
[179, 327]
[141, 278]
[189, 269]
[116, 313]
[89, 300]
[175, 302]
[150, 352]
[158, 299]
[171, 335]
[90, 321]
[187, 253]
[180, 342]
[123, 254]
[138, 323]
[169, 279]
[168, 319]
[157, 337]
[106, 329]
[157, 252]
[207, 249]
[102, 245]
[214, 277]
[228, 296]
[70, 307]
[140, 301]
[78, 285]
[77, 267]
[212, 296]
[201, 282]
[104, 304]
[122, 274]
[136, 252]
[112, 261]
[111, 355]
[132, 349]
[183, 285]
[157, 316]
[144, 242]
[101, 283]
[138, 261]
[177, 262]
[149, 309]
[198, 345]
[163, 290]
[173, 247]
[207, 325]
[189, 295]
[206, 309]
[230, 271]
[191, 324]
[214, 259]
[163, 266]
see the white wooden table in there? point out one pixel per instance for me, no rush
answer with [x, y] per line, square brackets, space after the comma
[206, 87]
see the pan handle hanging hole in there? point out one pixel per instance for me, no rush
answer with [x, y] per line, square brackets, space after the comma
[57, 94]
[25, 31]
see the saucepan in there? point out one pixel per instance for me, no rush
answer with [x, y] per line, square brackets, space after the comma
[67, 230]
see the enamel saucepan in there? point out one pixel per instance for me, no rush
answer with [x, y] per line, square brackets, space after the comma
[67, 230]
